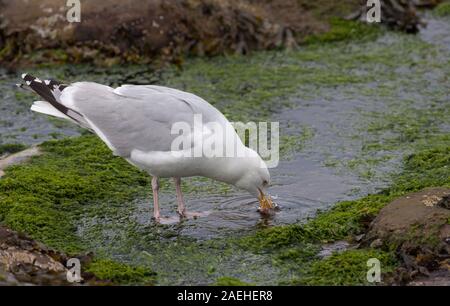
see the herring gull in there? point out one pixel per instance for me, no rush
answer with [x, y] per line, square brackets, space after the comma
[137, 123]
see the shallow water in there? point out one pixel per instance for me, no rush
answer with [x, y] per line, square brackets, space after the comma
[331, 166]
[437, 32]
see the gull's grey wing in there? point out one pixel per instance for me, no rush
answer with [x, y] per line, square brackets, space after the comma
[136, 117]
[197, 104]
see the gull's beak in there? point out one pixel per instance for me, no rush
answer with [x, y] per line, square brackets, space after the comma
[265, 201]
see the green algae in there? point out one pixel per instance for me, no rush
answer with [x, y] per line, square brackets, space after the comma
[442, 10]
[45, 196]
[346, 268]
[10, 148]
[342, 30]
[120, 273]
[230, 281]
[292, 144]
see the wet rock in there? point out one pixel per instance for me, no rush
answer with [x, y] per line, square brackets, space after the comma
[358, 238]
[145, 30]
[415, 225]
[17, 158]
[376, 243]
[438, 278]
[398, 14]
[25, 261]
[444, 202]
[328, 249]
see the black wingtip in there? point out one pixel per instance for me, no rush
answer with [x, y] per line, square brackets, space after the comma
[46, 90]
[28, 77]
[50, 83]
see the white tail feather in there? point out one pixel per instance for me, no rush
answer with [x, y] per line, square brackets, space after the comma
[46, 108]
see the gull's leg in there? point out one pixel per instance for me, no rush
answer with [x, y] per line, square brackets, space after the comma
[155, 187]
[180, 199]
[181, 206]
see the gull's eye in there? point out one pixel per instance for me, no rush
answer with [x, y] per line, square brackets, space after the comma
[265, 183]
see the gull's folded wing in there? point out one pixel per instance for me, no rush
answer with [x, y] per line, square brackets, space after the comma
[136, 117]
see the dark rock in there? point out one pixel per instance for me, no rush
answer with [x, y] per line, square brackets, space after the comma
[149, 30]
[445, 202]
[397, 14]
[377, 243]
[25, 261]
[416, 225]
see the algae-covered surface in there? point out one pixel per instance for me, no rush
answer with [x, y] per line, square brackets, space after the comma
[362, 121]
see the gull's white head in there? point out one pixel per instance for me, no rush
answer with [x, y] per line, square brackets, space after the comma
[255, 178]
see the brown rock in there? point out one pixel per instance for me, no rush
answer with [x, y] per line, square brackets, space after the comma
[24, 261]
[417, 227]
[414, 211]
[17, 158]
[137, 30]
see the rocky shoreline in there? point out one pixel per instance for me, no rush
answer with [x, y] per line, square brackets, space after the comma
[416, 227]
[37, 33]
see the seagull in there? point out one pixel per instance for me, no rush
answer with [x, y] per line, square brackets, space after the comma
[137, 123]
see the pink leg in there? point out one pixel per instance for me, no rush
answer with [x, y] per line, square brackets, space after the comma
[181, 206]
[155, 187]
[180, 199]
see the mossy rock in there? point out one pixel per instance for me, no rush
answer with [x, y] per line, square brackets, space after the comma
[416, 227]
[442, 10]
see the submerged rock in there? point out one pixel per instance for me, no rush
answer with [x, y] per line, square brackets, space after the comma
[17, 158]
[337, 247]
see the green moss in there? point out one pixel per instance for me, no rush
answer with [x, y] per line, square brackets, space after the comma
[323, 9]
[230, 281]
[36, 216]
[346, 268]
[10, 148]
[59, 123]
[274, 238]
[442, 10]
[45, 197]
[341, 30]
[292, 260]
[120, 273]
